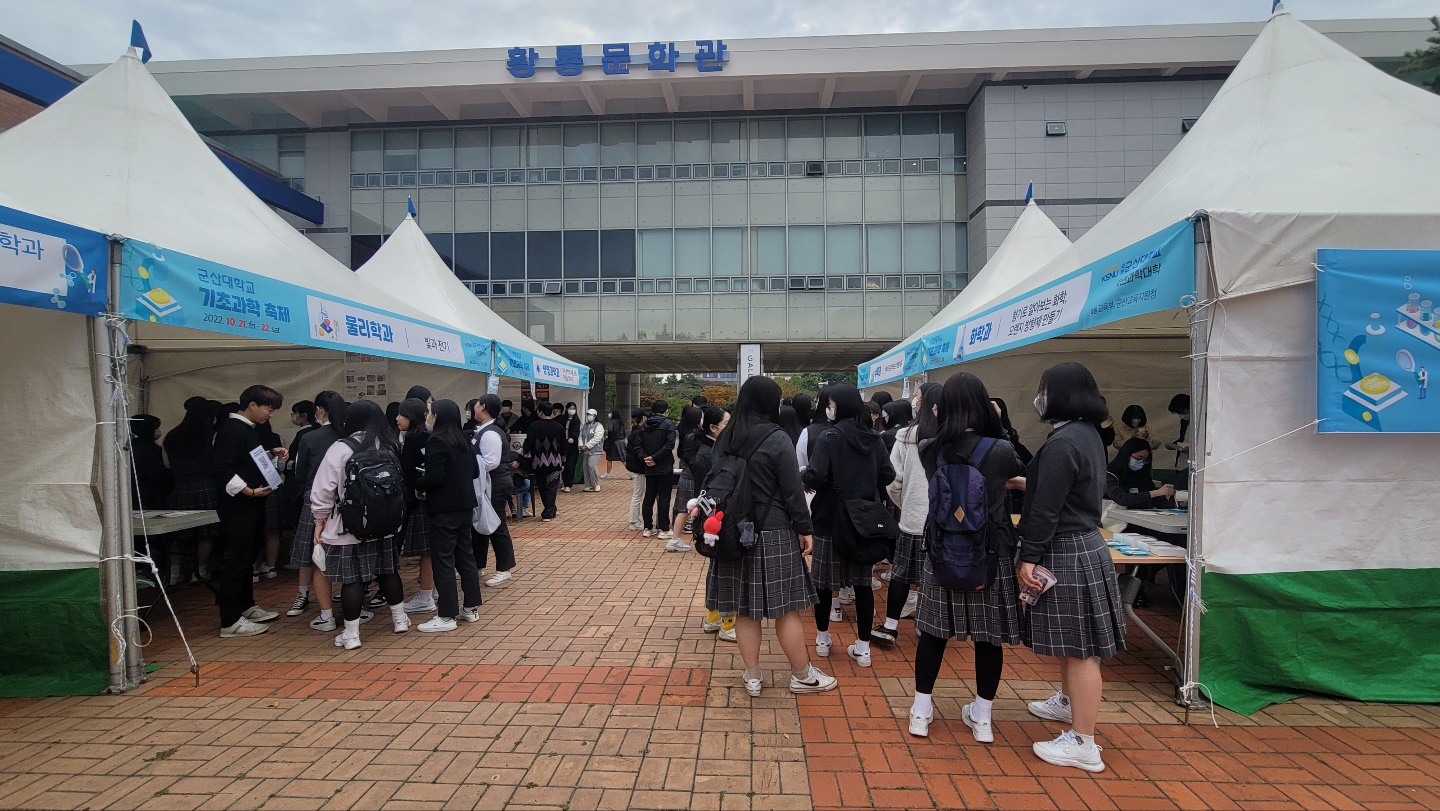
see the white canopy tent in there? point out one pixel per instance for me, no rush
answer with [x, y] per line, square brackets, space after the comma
[1310, 545]
[116, 156]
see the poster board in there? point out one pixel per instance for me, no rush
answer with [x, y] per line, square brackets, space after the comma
[366, 376]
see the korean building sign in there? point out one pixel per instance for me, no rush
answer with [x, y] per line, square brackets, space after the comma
[616, 59]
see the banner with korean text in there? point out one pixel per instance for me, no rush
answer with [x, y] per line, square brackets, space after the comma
[167, 287]
[51, 265]
[1152, 275]
[517, 363]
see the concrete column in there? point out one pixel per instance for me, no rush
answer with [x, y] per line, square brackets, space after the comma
[597, 391]
[625, 396]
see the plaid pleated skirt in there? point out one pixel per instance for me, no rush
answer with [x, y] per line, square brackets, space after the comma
[991, 615]
[273, 506]
[684, 491]
[417, 533]
[303, 541]
[1081, 616]
[908, 562]
[831, 572]
[768, 583]
[359, 562]
[196, 493]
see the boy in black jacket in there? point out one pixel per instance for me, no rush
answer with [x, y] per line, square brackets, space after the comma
[241, 490]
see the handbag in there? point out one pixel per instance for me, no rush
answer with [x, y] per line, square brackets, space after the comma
[865, 531]
[485, 520]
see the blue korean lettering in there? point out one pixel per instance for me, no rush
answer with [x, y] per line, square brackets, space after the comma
[252, 307]
[663, 56]
[615, 58]
[283, 314]
[521, 62]
[710, 56]
[387, 334]
[222, 301]
[569, 60]
[10, 242]
[352, 326]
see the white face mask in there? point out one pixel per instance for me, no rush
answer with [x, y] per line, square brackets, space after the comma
[1040, 403]
[830, 413]
[570, 411]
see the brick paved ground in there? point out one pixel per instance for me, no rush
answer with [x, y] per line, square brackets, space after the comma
[588, 684]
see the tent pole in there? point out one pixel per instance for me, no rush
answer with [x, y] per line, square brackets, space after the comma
[1200, 320]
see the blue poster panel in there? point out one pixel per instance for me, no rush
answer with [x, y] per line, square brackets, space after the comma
[167, 287]
[1154, 274]
[518, 363]
[1376, 321]
[51, 265]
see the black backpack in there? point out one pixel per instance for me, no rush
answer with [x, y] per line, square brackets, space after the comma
[958, 527]
[726, 489]
[372, 498]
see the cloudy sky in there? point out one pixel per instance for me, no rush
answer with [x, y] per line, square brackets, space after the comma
[86, 31]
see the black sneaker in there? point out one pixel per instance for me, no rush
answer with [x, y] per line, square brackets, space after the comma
[882, 635]
[378, 601]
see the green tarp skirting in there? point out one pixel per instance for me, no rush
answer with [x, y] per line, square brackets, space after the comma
[52, 634]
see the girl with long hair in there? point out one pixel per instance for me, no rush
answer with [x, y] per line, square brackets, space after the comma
[414, 435]
[448, 490]
[911, 494]
[688, 440]
[189, 449]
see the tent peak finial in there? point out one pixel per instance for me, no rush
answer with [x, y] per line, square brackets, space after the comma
[1277, 7]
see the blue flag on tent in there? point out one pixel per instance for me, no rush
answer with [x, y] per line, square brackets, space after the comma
[410, 205]
[137, 40]
[1029, 192]
[1274, 6]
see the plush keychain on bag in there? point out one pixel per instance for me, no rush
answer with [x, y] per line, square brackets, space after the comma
[712, 527]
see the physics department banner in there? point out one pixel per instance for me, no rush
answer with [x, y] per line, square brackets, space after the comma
[51, 265]
[1152, 275]
[517, 363]
[167, 287]
[1379, 341]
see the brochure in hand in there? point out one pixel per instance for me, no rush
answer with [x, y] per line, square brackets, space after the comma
[1029, 594]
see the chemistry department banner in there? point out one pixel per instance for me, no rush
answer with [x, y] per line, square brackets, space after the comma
[168, 287]
[1379, 340]
[51, 265]
[517, 363]
[1154, 274]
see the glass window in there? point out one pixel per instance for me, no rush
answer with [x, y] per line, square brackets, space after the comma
[768, 251]
[920, 135]
[362, 247]
[884, 311]
[731, 316]
[727, 251]
[542, 250]
[657, 256]
[807, 316]
[437, 149]
[505, 147]
[366, 212]
[401, 150]
[366, 149]
[507, 255]
[544, 147]
[617, 317]
[767, 139]
[692, 252]
[842, 250]
[952, 134]
[472, 256]
[767, 316]
[617, 254]
[846, 315]
[807, 249]
[807, 139]
[444, 245]
[727, 142]
[954, 249]
[692, 141]
[582, 317]
[842, 137]
[882, 136]
[544, 317]
[472, 149]
[656, 314]
[582, 145]
[617, 144]
[882, 249]
[882, 199]
[654, 138]
[582, 254]
[692, 318]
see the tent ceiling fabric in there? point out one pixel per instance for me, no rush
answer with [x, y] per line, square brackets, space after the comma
[117, 156]
[408, 268]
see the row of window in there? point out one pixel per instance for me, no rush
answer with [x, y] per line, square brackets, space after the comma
[949, 281]
[699, 171]
[873, 252]
[634, 143]
[282, 154]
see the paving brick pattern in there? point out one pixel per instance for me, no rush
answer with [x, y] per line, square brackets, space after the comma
[588, 684]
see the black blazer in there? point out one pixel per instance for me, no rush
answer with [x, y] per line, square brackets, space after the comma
[448, 482]
[412, 460]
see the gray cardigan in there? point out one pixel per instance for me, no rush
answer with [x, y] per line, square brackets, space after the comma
[1064, 488]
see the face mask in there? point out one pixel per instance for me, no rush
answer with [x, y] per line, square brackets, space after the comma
[570, 411]
[1134, 423]
[830, 413]
[1040, 404]
[1137, 465]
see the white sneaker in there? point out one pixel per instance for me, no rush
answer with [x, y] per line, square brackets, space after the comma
[421, 603]
[470, 614]
[727, 634]
[861, 659]
[822, 647]
[920, 724]
[1054, 708]
[257, 614]
[634, 527]
[302, 602]
[847, 595]
[816, 682]
[676, 545]
[243, 627]
[347, 640]
[875, 584]
[1066, 750]
[267, 572]
[437, 625]
[912, 603]
[401, 621]
[752, 686]
[886, 575]
[647, 533]
[980, 729]
[711, 627]
[665, 535]
[564, 489]
[320, 624]
[837, 615]
[500, 577]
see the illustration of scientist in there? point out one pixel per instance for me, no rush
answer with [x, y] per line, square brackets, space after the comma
[1422, 377]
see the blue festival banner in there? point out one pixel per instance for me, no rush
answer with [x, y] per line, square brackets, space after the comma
[167, 287]
[1378, 339]
[517, 363]
[1154, 274]
[51, 265]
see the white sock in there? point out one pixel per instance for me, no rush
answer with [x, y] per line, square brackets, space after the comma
[1087, 742]
[434, 594]
[397, 612]
[754, 673]
[305, 591]
[862, 646]
[822, 638]
[892, 624]
[924, 705]
[327, 614]
[835, 603]
[981, 708]
[352, 627]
